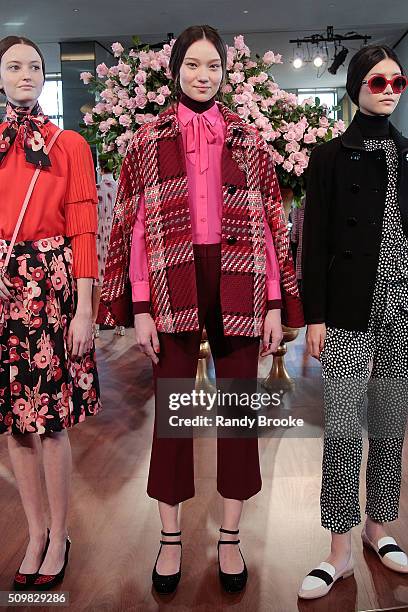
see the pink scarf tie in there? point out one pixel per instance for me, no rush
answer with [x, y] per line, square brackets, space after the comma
[199, 135]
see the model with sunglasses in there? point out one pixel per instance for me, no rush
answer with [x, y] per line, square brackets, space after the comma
[355, 279]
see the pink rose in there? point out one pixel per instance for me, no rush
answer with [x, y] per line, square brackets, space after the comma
[292, 146]
[125, 79]
[155, 65]
[324, 122]
[309, 138]
[160, 99]
[165, 91]
[99, 108]
[111, 121]
[102, 70]
[239, 42]
[117, 49]
[151, 96]
[88, 119]
[269, 58]
[125, 120]
[118, 110]
[227, 88]
[140, 77]
[86, 77]
[287, 166]
[103, 127]
[236, 77]
[321, 132]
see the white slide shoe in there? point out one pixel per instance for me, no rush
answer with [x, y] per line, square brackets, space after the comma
[389, 553]
[322, 578]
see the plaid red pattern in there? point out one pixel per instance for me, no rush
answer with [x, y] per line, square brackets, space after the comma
[154, 164]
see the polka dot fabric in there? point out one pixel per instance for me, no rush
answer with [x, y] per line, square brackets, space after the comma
[365, 384]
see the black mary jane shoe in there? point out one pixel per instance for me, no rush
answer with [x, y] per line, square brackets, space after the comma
[166, 584]
[232, 583]
[24, 582]
[43, 582]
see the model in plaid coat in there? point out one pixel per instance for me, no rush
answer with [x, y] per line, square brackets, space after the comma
[218, 279]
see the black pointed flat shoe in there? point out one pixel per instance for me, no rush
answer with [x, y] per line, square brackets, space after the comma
[232, 583]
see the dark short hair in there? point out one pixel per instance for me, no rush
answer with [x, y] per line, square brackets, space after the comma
[362, 62]
[188, 37]
[9, 41]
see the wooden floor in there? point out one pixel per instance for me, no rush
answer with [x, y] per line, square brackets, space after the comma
[114, 526]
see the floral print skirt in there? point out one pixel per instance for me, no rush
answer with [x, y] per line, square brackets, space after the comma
[41, 388]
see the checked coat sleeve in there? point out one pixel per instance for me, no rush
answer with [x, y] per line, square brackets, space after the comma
[292, 311]
[116, 290]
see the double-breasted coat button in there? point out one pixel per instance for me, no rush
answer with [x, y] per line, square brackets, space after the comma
[231, 239]
[406, 156]
[355, 188]
[347, 254]
[351, 221]
[232, 189]
[355, 156]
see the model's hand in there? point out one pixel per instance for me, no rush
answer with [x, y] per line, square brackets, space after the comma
[146, 336]
[4, 285]
[80, 334]
[272, 332]
[315, 337]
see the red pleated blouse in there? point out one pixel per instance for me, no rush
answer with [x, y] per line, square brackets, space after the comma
[64, 200]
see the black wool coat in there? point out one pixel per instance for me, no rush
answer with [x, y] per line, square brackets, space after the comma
[345, 202]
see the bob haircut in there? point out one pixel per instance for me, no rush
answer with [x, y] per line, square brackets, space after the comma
[184, 40]
[362, 62]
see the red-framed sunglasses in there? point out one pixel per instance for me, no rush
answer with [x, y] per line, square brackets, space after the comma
[378, 83]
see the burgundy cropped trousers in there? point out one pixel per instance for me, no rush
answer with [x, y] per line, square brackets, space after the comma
[171, 474]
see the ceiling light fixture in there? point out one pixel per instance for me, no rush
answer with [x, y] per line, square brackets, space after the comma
[14, 24]
[318, 61]
[297, 63]
[338, 60]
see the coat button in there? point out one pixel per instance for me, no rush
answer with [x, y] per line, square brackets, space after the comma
[406, 156]
[355, 188]
[232, 189]
[347, 254]
[231, 239]
[351, 221]
[355, 156]
[372, 221]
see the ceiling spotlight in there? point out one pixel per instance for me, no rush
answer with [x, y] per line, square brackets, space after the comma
[339, 59]
[318, 61]
[76, 10]
[297, 62]
[246, 12]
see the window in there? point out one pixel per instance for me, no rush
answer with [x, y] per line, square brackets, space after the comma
[51, 99]
[326, 96]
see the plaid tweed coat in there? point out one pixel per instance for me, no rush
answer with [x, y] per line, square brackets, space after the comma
[155, 165]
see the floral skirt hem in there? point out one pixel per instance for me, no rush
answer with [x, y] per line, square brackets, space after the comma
[41, 388]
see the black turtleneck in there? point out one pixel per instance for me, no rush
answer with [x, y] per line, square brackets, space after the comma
[373, 126]
[195, 105]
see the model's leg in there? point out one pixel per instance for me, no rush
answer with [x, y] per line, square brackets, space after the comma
[388, 401]
[345, 367]
[171, 473]
[57, 468]
[25, 456]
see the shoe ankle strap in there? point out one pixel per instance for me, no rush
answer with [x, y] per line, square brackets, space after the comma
[229, 541]
[229, 531]
[167, 533]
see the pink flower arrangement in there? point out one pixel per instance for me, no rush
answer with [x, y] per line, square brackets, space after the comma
[139, 86]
